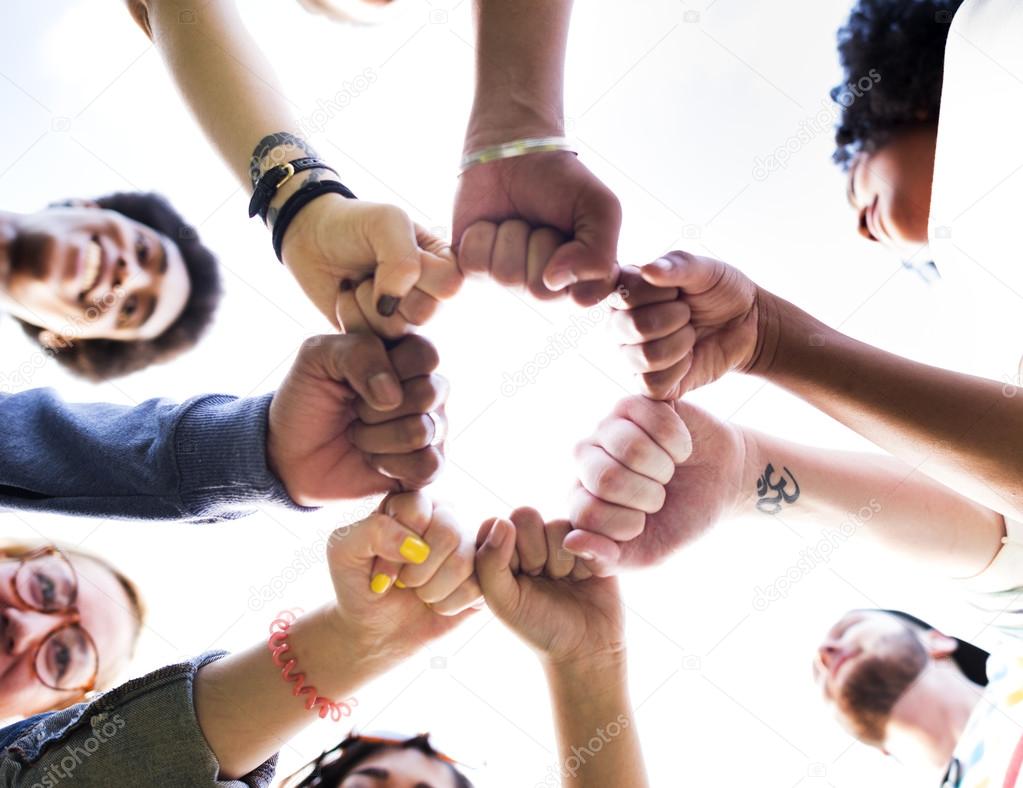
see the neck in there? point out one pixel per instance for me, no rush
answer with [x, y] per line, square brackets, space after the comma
[929, 719]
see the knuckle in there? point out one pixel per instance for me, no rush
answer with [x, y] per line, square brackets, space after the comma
[608, 479]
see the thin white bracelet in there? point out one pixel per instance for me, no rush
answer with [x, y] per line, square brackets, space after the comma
[515, 148]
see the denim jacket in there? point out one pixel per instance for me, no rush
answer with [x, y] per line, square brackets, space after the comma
[143, 733]
[203, 460]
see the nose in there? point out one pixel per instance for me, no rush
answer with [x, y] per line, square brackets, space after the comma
[129, 275]
[24, 628]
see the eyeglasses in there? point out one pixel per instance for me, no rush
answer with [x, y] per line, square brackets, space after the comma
[67, 658]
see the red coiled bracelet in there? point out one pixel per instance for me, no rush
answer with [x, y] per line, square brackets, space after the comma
[278, 644]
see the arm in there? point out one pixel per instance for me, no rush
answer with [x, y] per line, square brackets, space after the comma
[635, 504]
[574, 623]
[237, 100]
[542, 220]
[350, 420]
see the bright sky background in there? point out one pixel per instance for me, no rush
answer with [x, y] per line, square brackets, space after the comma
[672, 105]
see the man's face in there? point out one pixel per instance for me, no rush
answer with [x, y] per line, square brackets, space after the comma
[89, 273]
[863, 666]
[890, 190]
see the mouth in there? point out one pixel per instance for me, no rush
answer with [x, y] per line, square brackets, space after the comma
[91, 268]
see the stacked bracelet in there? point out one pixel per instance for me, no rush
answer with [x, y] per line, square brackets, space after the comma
[297, 201]
[274, 178]
[278, 644]
[514, 148]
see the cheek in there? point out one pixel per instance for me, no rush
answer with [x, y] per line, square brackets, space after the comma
[21, 694]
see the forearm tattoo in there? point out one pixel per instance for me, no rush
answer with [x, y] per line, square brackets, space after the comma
[266, 146]
[772, 494]
[311, 176]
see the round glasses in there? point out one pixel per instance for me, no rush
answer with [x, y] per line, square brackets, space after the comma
[66, 659]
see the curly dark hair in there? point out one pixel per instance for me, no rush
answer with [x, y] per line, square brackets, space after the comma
[102, 359]
[354, 750]
[901, 45]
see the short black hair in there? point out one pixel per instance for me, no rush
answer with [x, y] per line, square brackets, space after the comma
[354, 751]
[901, 43]
[970, 659]
[102, 359]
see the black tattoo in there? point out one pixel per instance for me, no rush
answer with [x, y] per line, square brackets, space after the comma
[771, 504]
[311, 176]
[266, 146]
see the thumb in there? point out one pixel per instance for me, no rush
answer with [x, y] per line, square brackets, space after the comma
[351, 550]
[600, 554]
[592, 254]
[393, 238]
[493, 568]
[690, 272]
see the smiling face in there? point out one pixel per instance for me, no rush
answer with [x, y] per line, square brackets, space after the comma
[104, 611]
[890, 190]
[863, 666]
[89, 273]
[400, 768]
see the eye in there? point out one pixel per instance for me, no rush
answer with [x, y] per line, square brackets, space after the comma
[59, 659]
[128, 310]
[46, 589]
[142, 249]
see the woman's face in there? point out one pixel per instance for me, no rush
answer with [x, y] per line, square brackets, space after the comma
[105, 611]
[394, 768]
[89, 273]
[890, 189]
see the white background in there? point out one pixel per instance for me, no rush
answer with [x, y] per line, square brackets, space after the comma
[672, 104]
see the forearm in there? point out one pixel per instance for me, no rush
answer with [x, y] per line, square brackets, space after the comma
[877, 499]
[245, 708]
[963, 431]
[520, 63]
[591, 704]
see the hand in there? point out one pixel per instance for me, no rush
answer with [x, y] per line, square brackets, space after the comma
[561, 618]
[325, 443]
[542, 221]
[334, 244]
[650, 483]
[408, 535]
[689, 320]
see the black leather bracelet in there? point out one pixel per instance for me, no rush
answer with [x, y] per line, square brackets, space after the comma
[296, 202]
[274, 178]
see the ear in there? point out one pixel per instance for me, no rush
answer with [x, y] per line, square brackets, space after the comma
[54, 341]
[939, 646]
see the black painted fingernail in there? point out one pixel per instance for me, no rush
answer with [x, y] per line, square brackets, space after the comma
[387, 305]
[345, 285]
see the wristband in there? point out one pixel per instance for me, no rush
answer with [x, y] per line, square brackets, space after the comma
[296, 202]
[278, 644]
[274, 178]
[515, 148]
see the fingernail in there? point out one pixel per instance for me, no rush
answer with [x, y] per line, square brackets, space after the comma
[387, 305]
[497, 535]
[662, 264]
[385, 388]
[560, 279]
[414, 550]
[399, 584]
[587, 556]
[380, 583]
[345, 285]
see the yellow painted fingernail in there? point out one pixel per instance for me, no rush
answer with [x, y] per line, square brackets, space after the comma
[414, 550]
[380, 583]
[399, 584]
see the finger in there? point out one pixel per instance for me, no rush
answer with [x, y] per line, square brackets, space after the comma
[543, 243]
[354, 551]
[589, 513]
[591, 293]
[660, 421]
[482, 535]
[419, 395]
[359, 360]
[602, 554]
[581, 571]
[658, 355]
[457, 569]
[391, 326]
[413, 470]
[636, 291]
[668, 384]
[691, 273]
[441, 277]
[392, 236]
[530, 542]
[414, 511]
[626, 443]
[493, 568]
[645, 323]
[444, 539]
[399, 436]
[593, 251]
[560, 562]
[610, 481]
[476, 248]
[418, 307]
[508, 260]
[413, 356]
[348, 315]
[467, 595]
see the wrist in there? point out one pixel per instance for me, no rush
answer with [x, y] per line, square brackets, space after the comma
[292, 185]
[752, 468]
[589, 682]
[512, 120]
